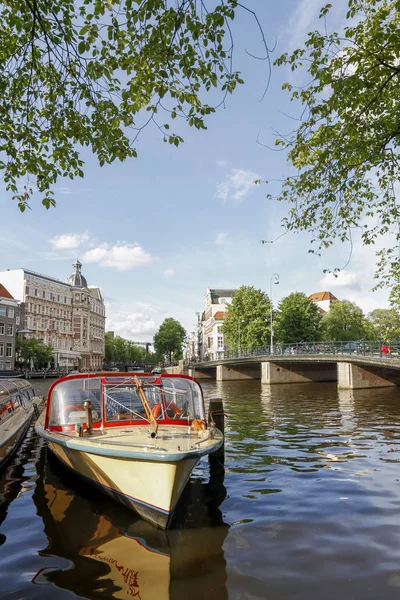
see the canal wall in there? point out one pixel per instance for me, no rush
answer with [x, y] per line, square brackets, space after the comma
[274, 372]
[353, 377]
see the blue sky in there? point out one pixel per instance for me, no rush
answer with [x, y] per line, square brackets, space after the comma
[155, 232]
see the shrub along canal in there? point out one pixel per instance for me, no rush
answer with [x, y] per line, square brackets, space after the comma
[307, 507]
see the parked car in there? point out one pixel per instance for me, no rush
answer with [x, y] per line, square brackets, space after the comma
[359, 347]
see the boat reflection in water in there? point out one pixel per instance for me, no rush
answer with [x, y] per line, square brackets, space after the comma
[112, 554]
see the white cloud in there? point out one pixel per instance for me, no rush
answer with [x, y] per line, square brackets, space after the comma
[236, 185]
[342, 279]
[67, 241]
[121, 256]
[169, 273]
[135, 326]
[220, 240]
[305, 18]
[64, 190]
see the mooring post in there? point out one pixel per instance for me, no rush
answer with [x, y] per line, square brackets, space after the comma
[89, 418]
[216, 415]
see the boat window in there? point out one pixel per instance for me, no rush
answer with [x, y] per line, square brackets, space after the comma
[68, 398]
[183, 398]
[6, 407]
[9, 386]
[122, 402]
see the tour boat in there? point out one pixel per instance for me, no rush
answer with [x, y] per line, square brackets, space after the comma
[16, 412]
[136, 435]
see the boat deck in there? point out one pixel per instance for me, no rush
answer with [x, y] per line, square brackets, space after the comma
[171, 443]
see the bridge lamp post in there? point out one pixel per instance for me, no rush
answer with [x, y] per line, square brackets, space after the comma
[274, 279]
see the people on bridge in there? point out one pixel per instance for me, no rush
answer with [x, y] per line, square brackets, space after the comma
[385, 350]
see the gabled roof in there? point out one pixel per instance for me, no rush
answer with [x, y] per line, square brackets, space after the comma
[4, 293]
[319, 296]
[216, 294]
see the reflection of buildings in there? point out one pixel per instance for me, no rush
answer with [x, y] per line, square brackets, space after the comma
[208, 338]
[111, 554]
[69, 317]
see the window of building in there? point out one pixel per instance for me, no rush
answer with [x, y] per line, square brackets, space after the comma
[1, 365]
[9, 349]
[17, 319]
[220, 342]
[219, 328]
[11, 313]
[2, 328]
[2, 311]
[1, 349]
[10, 330]
[8, 365]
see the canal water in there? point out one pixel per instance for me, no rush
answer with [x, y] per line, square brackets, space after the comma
[307, 506]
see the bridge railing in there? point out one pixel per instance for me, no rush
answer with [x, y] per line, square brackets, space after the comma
[351, 348]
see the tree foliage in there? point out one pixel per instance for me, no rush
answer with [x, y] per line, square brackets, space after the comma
[169, 340]
[33, 351]
[95, 73]
[345, 150]
[386, 322]
[345, 321]
[119, 350]
[298, 319]
[247, 318]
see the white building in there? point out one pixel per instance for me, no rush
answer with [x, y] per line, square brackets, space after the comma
[69, 317]
[323, 300]
[217, 304]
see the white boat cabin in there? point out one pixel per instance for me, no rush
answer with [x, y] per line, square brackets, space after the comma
[123, 399]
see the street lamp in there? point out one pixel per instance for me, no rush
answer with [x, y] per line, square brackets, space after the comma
[274, 279]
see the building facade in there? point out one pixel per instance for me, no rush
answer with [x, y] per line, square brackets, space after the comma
[323, 300]
[68, 316]
[207, 339]
[10, 320]
[88, 321]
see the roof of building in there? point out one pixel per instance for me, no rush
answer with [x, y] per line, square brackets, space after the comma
[77, 279]
[219, 315]
[319, 296]
[216, 294]
[4, 293]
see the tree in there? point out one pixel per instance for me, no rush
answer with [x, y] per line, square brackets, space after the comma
[95, 73]
[169, 339]
[386, 322]
[345, 150]
[120, 350]
[345, 321]
[109, 348]
[33, 352]
[247, 319]
[298, 319]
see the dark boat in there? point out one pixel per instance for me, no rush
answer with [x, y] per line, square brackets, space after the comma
[16, 413]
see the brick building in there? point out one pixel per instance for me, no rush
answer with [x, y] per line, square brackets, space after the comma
[10, 320]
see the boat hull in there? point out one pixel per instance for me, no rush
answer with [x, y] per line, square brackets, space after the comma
[152, 489]
[10, 443]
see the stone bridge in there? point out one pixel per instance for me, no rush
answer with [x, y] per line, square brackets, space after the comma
[349, 371]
